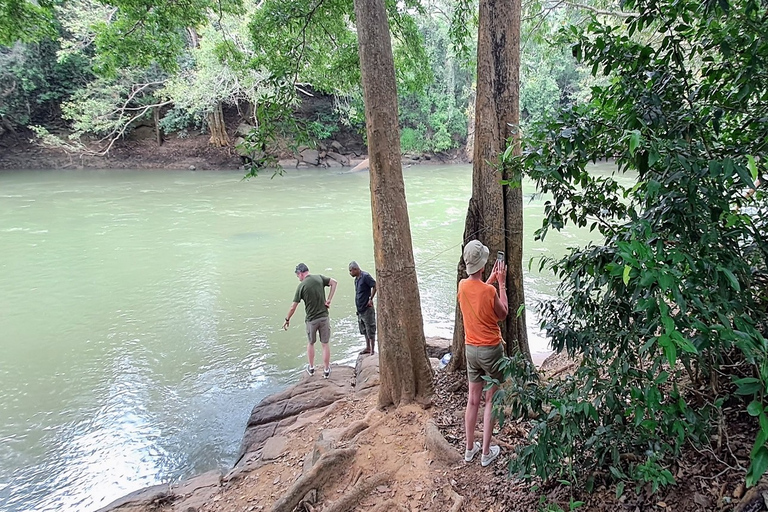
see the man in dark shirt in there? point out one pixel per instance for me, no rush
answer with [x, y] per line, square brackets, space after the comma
[311, 290]
[365, 290]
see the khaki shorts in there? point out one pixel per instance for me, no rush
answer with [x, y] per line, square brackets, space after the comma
[321, 325]
[484, 360]
[367, 323]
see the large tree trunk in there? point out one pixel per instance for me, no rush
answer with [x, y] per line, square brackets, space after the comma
[217, 127]
[495, 213]
[406, 375]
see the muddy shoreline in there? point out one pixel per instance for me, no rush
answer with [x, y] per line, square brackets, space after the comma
[21, 152]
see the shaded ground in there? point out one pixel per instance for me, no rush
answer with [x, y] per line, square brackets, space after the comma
[706, 480]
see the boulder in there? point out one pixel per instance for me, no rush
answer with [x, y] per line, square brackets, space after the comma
[343, 160]
[438, 347]
[337, 146]
[366, 372]
[362, 166]
[243, 129]
[310, 156]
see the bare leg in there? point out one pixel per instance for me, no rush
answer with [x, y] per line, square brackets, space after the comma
[311, 354]
[488, 419]
[326, 355]
[470, 415]
[370, 344]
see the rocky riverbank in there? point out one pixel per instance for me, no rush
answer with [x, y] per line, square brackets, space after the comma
[323, 445]
[192, 152]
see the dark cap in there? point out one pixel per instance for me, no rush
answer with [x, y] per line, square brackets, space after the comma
[301, 268]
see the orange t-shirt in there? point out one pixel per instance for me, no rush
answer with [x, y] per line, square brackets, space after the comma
[476, 299]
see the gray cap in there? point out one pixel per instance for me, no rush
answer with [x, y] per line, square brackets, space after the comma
[301, 268]
[475, 256]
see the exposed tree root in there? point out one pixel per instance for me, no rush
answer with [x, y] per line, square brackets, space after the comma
[458, 501]
[315, 478]
[440, 449]
[351, 500]
[354, 429]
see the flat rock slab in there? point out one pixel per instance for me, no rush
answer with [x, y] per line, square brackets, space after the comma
[274, 447]
[280, 410]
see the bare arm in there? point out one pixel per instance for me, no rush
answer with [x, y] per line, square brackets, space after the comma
[291, 311]
[373, 294]
[500, 305]
[332, 284]
[492, 278]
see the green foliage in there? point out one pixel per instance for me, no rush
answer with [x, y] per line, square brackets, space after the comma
[673, 301]
[26, 21]
[33, 82]
[142, 33]
[109, 107]
[307, 42]
[434, 118]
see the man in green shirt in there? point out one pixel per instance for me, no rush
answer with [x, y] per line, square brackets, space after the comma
[311, 290]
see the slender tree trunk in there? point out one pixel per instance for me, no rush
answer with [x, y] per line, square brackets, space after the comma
[406, 375]
[217, 127]
[158, 130]
[494, 215]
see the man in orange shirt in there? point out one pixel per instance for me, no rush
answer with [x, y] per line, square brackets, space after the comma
[482, 309]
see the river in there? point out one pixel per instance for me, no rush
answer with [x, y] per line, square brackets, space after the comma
[141, 311]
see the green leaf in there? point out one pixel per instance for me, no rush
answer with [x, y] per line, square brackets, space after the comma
[619, 489]
[752, 166]
[634, 141]
[758, 466]
[731, 278]
[747, 386]
[625, 277]
[755, 408]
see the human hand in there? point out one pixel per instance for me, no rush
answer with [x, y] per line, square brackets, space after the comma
[370, 303]
[328, 304]
[501, 273]
[285, 324]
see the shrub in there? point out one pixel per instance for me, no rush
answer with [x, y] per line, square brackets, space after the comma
[668, 313]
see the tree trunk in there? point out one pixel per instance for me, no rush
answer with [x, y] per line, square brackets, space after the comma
[495, 213]
[405, 372]
[218, 130]
[158, 130]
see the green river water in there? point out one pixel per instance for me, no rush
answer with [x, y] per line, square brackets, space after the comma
[141, 311]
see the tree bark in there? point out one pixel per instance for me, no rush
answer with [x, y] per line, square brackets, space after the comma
[495, 212]
[405, 373]
[217, 127]
[158, 130]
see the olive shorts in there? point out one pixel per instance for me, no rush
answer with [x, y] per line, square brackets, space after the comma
[367, 323]
[321, 325]
[484, 360]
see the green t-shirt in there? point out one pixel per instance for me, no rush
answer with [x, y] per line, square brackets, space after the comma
[312, 291]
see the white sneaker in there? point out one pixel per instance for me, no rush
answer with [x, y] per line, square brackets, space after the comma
[310, 370]
[493, 452]
[326, 373]
[470, 454]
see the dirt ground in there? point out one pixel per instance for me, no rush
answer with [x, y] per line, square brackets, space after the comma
[20, 151]
[384, 463]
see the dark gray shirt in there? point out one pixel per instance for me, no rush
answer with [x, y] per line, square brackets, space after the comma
[363, 285]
